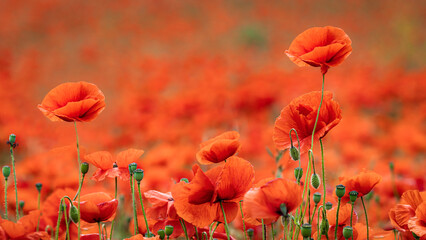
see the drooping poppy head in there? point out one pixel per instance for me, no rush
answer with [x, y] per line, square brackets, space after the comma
[73, 101]
[219, 148]
[417, 224]
[323, 47]
[300, 114]
[270, 200]
[97, 207]
[363, 183]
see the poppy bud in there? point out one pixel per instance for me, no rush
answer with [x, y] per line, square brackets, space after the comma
[184, 180]
[6, 172]
[250, 232]
[138, 173]
[12, 139]
[306, 230]
[39, 186]
[317, 197]
[391, 166]
[132, 167]
[340, 190]
[298, 173]
[169, 230]
[84, 167]
[284, 210]
[353, 195]
[315, 181]
[328, 205]
[324, 226]
[347, 232]
[74, 213]
[294, 153]
[161, 234]
[21, 204]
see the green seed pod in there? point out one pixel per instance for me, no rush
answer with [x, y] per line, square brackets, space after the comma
[6, 172]
[315, 181]
[161, 233]
[39, 186]
[184, 180]
[132, 168]
[12, 139]
[347, 232]
[250, 232]
[340, 190]
[74, 214]
[353, 195]
[294, 153]
[324, 226]
[84, 167]
[298, 173]
[169, 230]
[138, 173]
[317, 197]
[306, 230]
[21, 204]
[328, 205]
[284, 210]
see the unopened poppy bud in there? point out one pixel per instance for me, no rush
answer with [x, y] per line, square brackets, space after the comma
[328, 205]
[347, 232]
[84, 168]
[12, 139]
[294, 153]
[138, 173]
[184, 180]
[298, 173]
[250, 232]
[353, 195]
[340, 190]
[6, 172]
[74, 213]
[317, 197]
[21, 204]
[39, 186]
[315, 181]
[132, 167]
[284, 210]
[161, 234]
[306, 230]
[169, 230]
[324, 226]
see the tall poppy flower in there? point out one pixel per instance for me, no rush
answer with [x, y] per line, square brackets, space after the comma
[97, 207]
[24, 228]
[265, 202]
[323, 47]
[110, 167]
[300, 114]
[219, 148]
[198, 202]
[363, 183]
[73, 101]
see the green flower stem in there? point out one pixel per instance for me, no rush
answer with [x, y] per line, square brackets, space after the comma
[263, 230]
[113, 220]
[224, 218]
[285, 228]
[366, 217]
[100, 231]
[311, 219]
[182, 223]
[135, 216]
[16, 184]
[298, 147]
[323, 176]
[242, 218]
[212, 232]
[318, 222]
[38, 208]
[318, 113]
[337, 218]
[5, 198]
[80, 179]
[196, 233]
[144, 214]
[66, 223]
[272, 231]
[352, 213]
[58, 223]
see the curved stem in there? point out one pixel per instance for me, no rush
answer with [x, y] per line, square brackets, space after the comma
[212, 233]
[80, 178]
[337, 218]
[5, 198]
[135, 216]
[318, 113]
[224, 218]
[242, 218]
[366, 217]
[182, 223]
[144, 214]
[16, 184]
[113, 220]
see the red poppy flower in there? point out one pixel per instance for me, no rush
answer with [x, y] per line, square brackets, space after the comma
[198, 202]
[219, 148]
[363, 183]
[105, 163]
[417, 224]
[25, 228]
[73, 101]
[323, 47]
[265, 202]
[97, 207]
[300, 114]
[140, 237]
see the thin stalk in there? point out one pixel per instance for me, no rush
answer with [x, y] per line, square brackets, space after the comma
[323, 176]
[100, 231]
[337, 218]
[311, 219]
[58, 223]
[318, 113]
[366, 217]
[272, 231]
[263, 230]
[211, 233]
[135, 217]
[144, 214]
[242, 218]
[5, 198]
[318, 222]
[352, 213]
[224, 218]
[113, 220]
[80, 179]
[182, 223]
[196, 233]
[285, 227]
[38, 208]
[66, 223]
[16, 184]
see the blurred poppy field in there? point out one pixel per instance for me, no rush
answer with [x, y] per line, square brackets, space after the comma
[186, 115]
